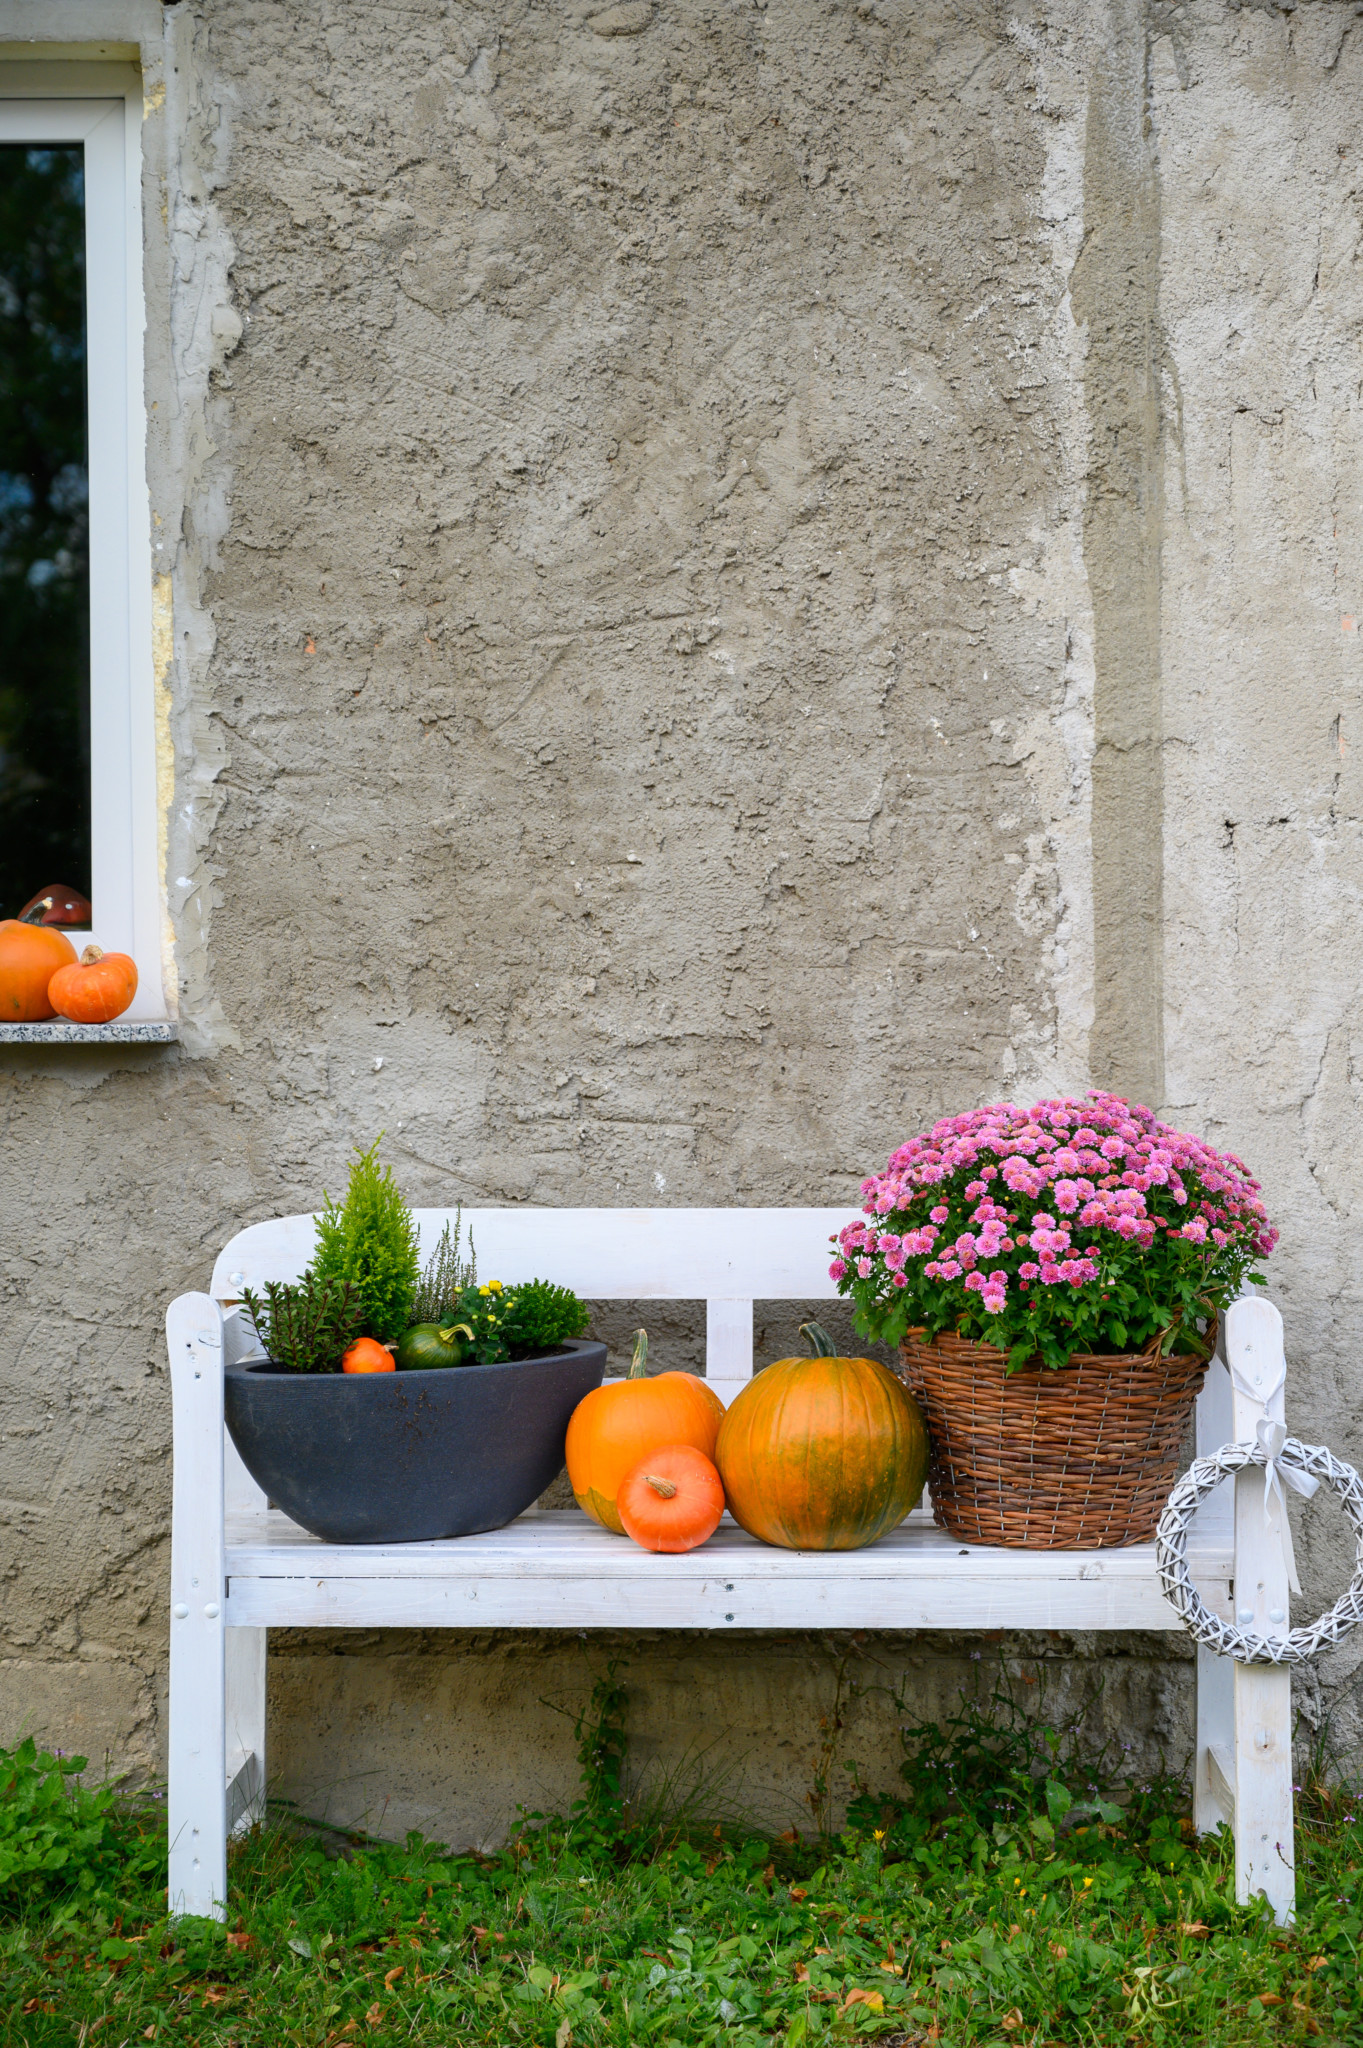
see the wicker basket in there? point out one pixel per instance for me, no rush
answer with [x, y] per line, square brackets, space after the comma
[1081, 1458]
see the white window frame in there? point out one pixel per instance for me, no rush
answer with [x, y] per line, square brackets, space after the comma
[126, 891]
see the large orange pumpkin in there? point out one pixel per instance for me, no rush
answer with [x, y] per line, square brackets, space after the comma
[616, 1425]
[822, 1453]
[30, 955]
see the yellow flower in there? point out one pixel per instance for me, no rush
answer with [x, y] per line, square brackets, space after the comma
[495, 1285]
[879, 1834]
[1087, 1882]
[485, 1290]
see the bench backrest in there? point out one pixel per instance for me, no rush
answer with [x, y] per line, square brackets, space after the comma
[727, 1258]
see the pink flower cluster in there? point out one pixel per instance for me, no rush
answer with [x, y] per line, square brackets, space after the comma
[1048, 1189]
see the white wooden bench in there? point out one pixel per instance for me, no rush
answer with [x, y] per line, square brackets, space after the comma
[239, 1568]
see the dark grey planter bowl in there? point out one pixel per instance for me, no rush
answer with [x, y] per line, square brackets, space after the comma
[403, 1457]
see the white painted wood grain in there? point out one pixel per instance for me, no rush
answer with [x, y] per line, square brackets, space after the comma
[197, 1788]
[560, 1570]
[1262, 1749]
[1215, 1688]
[244, 1724]
[603, 1254]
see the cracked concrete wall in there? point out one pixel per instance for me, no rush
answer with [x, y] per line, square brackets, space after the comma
[727, 574]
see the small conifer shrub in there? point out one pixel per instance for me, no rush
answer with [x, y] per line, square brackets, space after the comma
[370, 1239]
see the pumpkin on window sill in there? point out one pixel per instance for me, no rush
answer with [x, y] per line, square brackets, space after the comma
[94, 989]
[30, 956]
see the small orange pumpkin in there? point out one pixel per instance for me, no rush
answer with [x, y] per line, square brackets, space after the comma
[366, 1354]
[616, 1425]
[30, 954]
[94, 989]
[822, 1453]
[672, 1499]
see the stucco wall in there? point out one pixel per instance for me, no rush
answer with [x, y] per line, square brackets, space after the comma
[741, 576]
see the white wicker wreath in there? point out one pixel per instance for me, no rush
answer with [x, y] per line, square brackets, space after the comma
[1246, 1646]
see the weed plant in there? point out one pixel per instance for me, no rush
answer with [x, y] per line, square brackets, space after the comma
[999, 1899]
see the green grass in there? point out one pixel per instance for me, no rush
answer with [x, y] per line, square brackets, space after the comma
[1000, 1899]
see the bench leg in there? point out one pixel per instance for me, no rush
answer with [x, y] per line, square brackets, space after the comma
[1264, 1855]
[1214, 1756]
[245, 1728]
[1265, 1859]
[197, 1781]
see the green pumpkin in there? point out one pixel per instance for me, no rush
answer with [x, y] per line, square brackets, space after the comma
[427, 1346]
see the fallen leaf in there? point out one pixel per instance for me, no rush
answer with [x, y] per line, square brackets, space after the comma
[241, 1939]
[1317, 1962]
[871, 1999]
[1012, 2020]
[564, 2035]
[801, 1973]
[392, 1976]
[38, 2005]
[1193, 1927]
[1059, 1949]
[799, 1894]
[374, 2016]
[215, 1997]
[149, 2033]
[893, 1968]
[344, 2033]
[1271, 1998]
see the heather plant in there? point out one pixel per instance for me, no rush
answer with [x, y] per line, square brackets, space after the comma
[1074, 1226]
[305, 1325]
[371, 1240]
[446, 1276]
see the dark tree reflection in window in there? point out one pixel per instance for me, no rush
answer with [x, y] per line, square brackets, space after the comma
[44, 552]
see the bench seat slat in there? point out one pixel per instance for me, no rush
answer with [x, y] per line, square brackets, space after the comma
[557, 1570]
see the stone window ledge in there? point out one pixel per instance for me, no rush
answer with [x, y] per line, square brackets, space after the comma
[143, 1031]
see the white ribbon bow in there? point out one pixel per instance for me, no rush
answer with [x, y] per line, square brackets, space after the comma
[1272, 1437]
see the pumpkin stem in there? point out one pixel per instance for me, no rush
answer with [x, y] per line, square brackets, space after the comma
[455, 1330]
[37, 911]
[638, 1369]
[660, 1486]
[90, 955]
[818, 1340]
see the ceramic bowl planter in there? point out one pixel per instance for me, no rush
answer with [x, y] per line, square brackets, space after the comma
[407, 1457]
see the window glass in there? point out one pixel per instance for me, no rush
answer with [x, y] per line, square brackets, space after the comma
[44, 545]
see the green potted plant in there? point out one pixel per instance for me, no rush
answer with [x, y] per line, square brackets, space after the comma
[367, 1426]
[1053, 1278]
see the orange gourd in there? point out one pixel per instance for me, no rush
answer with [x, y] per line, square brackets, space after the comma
[822, 1453]
[30, 955]
[672, 1499]
[616, 1425]
[366, 1354]
[94, 989]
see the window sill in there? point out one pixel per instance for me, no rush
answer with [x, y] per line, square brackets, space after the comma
[144, 1031]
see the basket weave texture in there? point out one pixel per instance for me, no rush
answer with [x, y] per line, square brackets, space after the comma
[1080, 1458]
